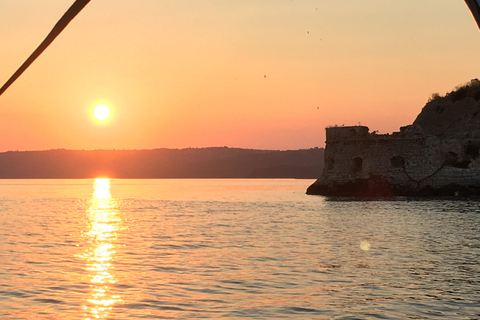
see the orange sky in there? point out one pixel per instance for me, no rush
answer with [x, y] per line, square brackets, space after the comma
[251, 73]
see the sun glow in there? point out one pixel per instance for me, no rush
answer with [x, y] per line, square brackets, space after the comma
[102, 112]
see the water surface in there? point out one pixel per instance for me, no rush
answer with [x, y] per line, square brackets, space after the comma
[231, 249]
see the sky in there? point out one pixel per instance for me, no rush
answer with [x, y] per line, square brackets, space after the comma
[250, 74]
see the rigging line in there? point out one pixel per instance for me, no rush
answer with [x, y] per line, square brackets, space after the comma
[76, 7]
[474, 6]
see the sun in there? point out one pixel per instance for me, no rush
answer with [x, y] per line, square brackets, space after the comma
[102, 112]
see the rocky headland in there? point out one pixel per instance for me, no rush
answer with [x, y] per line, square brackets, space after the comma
[437, 155]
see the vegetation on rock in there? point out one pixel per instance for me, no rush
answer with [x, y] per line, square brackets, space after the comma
[469, 89]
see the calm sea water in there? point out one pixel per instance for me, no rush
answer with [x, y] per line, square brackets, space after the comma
[231, 249]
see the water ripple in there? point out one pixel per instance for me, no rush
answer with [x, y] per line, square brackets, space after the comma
[234, 252]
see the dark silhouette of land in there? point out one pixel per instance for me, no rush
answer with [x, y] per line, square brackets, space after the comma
[219, 162]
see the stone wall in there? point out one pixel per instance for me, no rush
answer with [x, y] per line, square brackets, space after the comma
[403, 163]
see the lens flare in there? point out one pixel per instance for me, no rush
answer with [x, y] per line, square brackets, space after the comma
[365, 245]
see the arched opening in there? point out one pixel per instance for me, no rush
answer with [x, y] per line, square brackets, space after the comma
[357, 165]
[472, 150]
[397, 162]
[451, 158]
[329, 162]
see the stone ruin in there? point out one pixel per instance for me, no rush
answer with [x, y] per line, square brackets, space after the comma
[438, 155]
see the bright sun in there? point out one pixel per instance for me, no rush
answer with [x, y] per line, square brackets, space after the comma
[102, 112]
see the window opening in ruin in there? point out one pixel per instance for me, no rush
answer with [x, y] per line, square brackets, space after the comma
[397, 162]
[357, 165]
[451, 158]
[329, 163]
[472, 150]
[462, 165]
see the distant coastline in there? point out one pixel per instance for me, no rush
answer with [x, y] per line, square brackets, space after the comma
[215, 162]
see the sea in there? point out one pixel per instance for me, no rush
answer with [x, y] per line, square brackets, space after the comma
[231, 249]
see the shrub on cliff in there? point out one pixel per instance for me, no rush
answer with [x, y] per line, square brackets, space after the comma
[469, 89]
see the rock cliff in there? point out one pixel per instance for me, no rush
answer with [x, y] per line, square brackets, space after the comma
[437, 155]
[454, 116]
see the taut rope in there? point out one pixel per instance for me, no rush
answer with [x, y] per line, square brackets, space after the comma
[76, 7]
[474, 6]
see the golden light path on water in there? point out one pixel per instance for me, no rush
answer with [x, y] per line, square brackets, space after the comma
[103, 223]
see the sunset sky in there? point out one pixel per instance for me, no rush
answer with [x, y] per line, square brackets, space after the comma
[250, 74]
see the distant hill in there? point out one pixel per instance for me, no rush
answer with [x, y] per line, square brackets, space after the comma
[221, 162]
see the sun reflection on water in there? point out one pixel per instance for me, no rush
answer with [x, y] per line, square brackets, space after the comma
[103, 223]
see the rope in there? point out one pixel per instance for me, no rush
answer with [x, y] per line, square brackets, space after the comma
[76, 7]
[474, 6]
